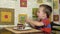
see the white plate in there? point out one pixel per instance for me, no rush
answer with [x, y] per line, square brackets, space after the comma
[21, 29]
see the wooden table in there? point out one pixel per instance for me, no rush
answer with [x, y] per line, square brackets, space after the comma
[23, 32]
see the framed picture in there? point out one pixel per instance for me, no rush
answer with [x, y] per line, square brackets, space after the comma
[55, 4]
[39, 1]
[22, 18]
[34, 13]
[59, 1]
[23, 3]
[56, 18]
[49, 0]
[59, 4]
[6, 16]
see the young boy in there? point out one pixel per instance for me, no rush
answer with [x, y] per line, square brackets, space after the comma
[43, 22]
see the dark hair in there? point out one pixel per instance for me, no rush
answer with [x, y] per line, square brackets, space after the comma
[47, 10]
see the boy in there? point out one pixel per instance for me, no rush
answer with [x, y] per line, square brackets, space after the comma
[43, 22]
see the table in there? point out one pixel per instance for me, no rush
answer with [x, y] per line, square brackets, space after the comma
[23, 32]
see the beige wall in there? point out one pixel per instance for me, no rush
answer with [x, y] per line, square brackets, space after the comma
[15, 4]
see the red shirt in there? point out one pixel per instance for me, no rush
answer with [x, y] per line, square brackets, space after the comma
[46, 27]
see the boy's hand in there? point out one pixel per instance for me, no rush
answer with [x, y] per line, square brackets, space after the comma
[28, 20]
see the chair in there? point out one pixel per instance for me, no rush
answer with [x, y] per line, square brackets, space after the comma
[54, 29]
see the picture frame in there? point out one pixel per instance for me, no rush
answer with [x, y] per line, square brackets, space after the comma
[49, 0]
[23, 3]
[59, 5]
[22, 18]
[34, 13]
[55, 4]
[39, 1]
[6, 16]
[56, 18]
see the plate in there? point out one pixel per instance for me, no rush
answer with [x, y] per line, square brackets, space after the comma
[21, 29]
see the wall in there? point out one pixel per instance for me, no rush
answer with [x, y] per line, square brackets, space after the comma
[31, 4]
[15, 4]
[7, 4]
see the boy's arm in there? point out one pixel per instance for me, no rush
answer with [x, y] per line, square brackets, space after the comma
[32, 25]
[36, 23]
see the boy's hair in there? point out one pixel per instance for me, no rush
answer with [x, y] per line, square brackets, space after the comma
[47, 10]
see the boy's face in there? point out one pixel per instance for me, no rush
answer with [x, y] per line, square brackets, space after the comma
[41, 14]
